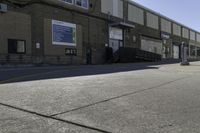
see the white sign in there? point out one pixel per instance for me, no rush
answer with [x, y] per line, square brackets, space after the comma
[165, 36]
[37, 45]
[63, 33]
[116, 33]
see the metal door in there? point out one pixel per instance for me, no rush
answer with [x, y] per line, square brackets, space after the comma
[176, 52]
[114, 44]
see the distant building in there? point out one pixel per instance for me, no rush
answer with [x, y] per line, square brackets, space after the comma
[77, 31]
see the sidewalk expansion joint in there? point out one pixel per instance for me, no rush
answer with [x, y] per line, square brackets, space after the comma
[54, 118]
[117, 97]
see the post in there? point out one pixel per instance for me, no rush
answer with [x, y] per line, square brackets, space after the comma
[108, 26]
[184, 55]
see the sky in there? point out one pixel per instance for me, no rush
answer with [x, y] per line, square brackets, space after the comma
[186, 12]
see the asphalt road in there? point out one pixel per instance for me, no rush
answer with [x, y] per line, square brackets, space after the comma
[121, 98]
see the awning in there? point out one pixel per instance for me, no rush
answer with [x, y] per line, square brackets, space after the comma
[122, 25]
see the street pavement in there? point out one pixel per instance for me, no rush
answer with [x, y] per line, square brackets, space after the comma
[120, 98]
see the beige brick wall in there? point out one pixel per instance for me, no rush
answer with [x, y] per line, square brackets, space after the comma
[59, 50]
[14, 25]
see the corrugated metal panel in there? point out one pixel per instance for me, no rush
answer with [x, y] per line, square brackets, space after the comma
[120, 9]
[147, 9]
[107, 6]
[152, 21]
[114, 7]
[165, 25]
[151, 45]
[176, 29]
[135, 14]
[198, 37]
[192, 35]
[185, 33]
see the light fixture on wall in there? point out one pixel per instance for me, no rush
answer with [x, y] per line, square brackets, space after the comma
[134, 38]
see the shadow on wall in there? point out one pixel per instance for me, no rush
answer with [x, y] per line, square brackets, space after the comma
[43, 73]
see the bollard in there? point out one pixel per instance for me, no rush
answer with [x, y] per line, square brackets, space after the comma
[184, 55]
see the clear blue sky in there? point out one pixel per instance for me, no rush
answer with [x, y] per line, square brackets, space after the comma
[186, 12]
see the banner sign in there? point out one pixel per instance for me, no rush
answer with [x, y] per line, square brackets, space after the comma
[165, 36]
[63, 33]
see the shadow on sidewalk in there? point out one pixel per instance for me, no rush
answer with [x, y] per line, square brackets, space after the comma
[21, 75]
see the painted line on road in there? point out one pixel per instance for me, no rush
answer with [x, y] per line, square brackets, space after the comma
[54, 118]
[117, 97]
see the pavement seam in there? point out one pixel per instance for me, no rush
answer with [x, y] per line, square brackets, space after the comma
[117, 97]
[55, 118]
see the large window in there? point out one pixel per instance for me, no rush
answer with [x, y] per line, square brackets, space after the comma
[16, 46]
[82, 3]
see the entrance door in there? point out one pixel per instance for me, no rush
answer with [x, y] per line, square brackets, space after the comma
[176, 52]
[114, 44]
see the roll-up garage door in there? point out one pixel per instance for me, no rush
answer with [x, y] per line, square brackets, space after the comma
[151, 45]
[176, 52]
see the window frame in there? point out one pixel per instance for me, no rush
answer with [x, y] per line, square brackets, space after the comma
[17, 40]
[68, 2]
[82, 4]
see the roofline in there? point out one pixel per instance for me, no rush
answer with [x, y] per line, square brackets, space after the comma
[159, 14]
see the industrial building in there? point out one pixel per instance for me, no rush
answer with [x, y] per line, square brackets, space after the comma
[79, 31]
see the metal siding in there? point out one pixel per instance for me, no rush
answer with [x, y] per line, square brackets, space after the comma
[115, 7]
[176, 29]
[198, 37]
[165, 25]
[185, 33]
[120, 9]
[192, 35]
[148, 44]
[135, 14]
[152, 21]
[107, 6]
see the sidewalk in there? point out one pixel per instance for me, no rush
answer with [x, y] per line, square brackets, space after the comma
[193, 68]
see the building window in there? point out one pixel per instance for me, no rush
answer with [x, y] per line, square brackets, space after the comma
[68, 1]
[82, 3]
[16, 46]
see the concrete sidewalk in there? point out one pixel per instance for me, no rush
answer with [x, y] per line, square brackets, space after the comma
[128, 99]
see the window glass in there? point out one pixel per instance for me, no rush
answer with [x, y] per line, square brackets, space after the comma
[85, 3]
[68, 1]
[78, 2]
[16, 46]
[82, 3]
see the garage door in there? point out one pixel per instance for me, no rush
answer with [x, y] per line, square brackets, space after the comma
[151, 45]
[176, 52]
